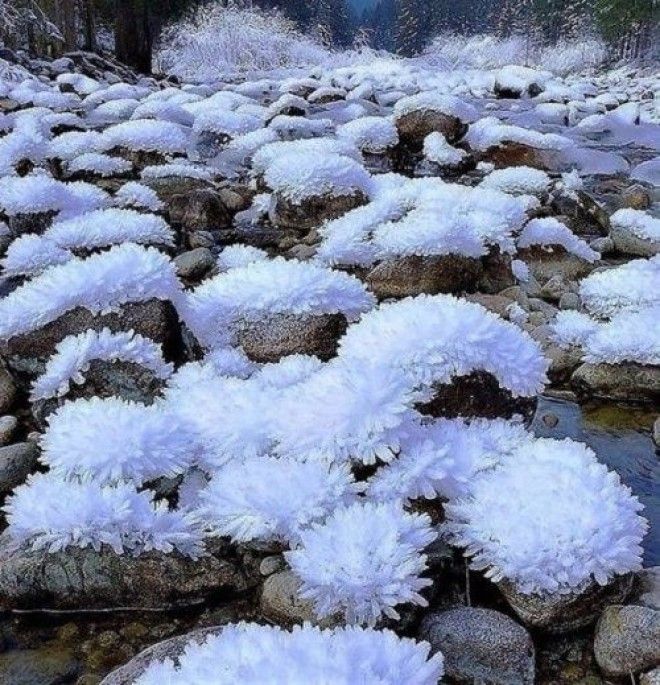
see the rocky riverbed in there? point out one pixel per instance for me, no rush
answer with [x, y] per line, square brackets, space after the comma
[366, 265]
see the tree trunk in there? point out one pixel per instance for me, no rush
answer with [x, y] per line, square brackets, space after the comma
[68, 21]
[89, 24]
[133, 41]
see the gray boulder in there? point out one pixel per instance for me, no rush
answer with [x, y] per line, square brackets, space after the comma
[481, 645]
[17, 462]
[627, 640]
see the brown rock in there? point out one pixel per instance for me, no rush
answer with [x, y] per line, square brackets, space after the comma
[413, 127]
[280, 602]
[312, 211]
[410, 276]
[199, 210]
[7, 389]
[281, 335]
[155, 319]
[477, 395]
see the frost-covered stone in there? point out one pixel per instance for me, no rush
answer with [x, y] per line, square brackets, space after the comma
[419, 115]
[247, 651]
[220, 308]
[529, 544]
[273, 499]
[631, 286]
[481, 645]
[635, 233]
[309, 190]
[30, 254]
[99, 285]
[518, 180]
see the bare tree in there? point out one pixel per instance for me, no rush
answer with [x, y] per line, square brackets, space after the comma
[133, 34]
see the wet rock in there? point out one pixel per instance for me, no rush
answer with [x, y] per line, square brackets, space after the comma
[43, 666]
[7, 389]
[8, 425]
[270, 339]
[199, 210]
[627, 640]
[413, 127]
[280, 602]
[557, 613]
[410, 276]
[155, 319]
[477, 395]
[195, 264]
[311, 211]
[84, 579]
[17, 462]
[169, 649]
[481, 645]
[627, 382]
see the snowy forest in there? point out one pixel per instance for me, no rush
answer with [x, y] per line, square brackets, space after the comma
[329, 342]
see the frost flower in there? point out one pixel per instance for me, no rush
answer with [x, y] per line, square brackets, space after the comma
[632, 286]
[112, 440]
[266, 288]
[550, 520]
[436, 338]
[31, 254]
[363, 561]
[245, 652]
[273, 499]
[74, 355]
[52, 514]
[101, 283]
